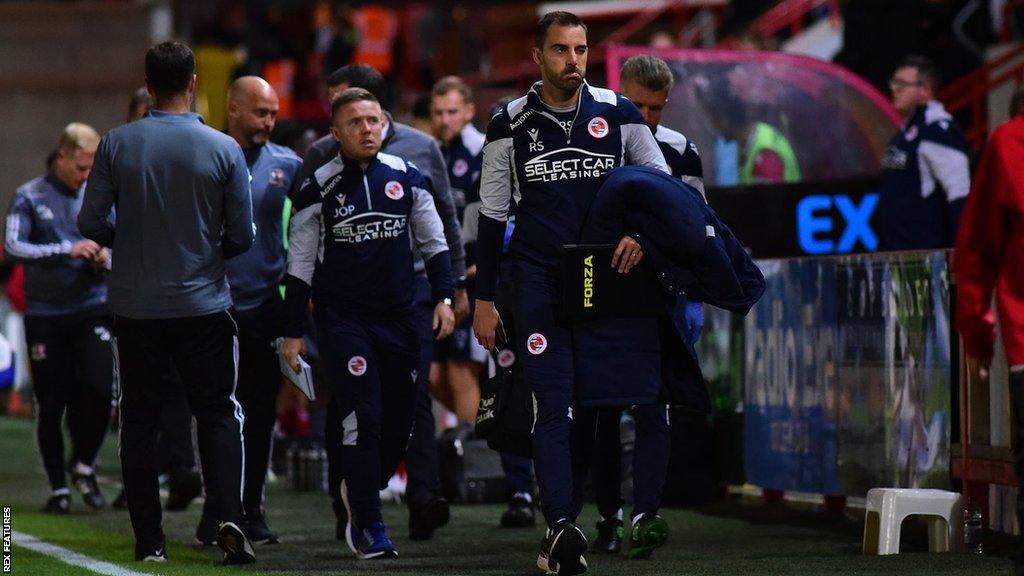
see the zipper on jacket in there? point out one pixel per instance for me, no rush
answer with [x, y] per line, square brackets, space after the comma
[579, 104]
[568, 131]
[366, 187]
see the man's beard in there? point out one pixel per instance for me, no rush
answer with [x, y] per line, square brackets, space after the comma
[259, 137]
[563, 82]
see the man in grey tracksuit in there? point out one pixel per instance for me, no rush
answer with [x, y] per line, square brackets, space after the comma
[181, 190]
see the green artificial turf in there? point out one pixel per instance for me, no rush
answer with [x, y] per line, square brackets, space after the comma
[726, 539]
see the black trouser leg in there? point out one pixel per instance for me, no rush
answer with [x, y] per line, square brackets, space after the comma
[421, 457]
[93, 387]
[206, 354]
[518, 474]
[51, 380]
[139, 355]
[176, 452]
[607, 463]
[259, 380]
[652, 449]
[205, 351]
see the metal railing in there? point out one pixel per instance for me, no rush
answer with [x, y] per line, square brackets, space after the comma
[787, 15]
[971, 91]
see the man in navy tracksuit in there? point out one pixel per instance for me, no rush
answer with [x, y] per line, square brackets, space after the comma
[427, 509]
[548, 151]
[255, 278]
[646, 80]
[349, 245]
[67, 324]
[926, 173]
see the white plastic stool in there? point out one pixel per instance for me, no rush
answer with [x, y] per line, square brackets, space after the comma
[886, 509]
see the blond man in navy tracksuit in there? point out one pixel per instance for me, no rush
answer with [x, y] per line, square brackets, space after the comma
[350, 250]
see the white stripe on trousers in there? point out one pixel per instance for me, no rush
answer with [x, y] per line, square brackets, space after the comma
[239, 413]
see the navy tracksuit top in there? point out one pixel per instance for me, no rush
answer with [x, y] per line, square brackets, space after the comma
[926, 177]
[464, 157]
[551, 167]
[682, 157]
[349, 240]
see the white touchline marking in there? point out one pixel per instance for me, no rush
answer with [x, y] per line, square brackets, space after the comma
[70, 557]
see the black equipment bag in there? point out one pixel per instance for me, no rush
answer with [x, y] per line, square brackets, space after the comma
[506, 413]
[470, 471]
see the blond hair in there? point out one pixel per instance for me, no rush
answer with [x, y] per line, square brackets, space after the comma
[78, 136]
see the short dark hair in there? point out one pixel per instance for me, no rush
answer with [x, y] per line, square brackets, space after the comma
[360, 76]
[140, 97]
[421, 107]
[648, 72]
[926, 70]
[350, 95]
[450, 83]
[169, 68]
[557, 18]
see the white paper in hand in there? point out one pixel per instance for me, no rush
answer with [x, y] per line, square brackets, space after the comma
[303, 379]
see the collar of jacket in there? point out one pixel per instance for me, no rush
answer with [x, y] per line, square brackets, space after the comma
[351, 166]
[584, 102]
[174, 116]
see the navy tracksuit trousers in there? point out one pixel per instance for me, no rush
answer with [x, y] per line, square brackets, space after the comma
[563, 445]
[544, 348]
[421, 454]
[597, 430]
[371, 364]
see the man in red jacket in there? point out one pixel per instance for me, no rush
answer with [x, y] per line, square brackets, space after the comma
[987, 258]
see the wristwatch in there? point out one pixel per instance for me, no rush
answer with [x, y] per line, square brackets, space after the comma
[447, 301]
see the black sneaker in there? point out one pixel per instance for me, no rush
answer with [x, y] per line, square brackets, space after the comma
[206, 531]
[90, 489]
[57, 504]
[121, 502]
[237, 548]
[157, 553]
[519, 514]
[256, 530]
[183, 488]
[609, 536]
[423, 520]
[561, 551]
[341, 514]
